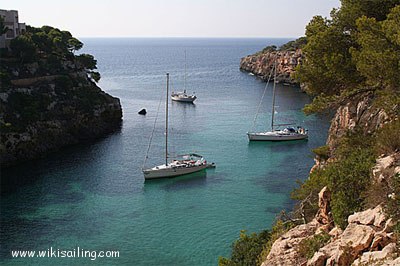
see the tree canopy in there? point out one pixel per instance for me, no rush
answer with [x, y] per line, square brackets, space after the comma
[357, 48]
[53, 45]
[294, 45]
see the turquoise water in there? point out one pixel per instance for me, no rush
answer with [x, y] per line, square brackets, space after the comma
[94, 195]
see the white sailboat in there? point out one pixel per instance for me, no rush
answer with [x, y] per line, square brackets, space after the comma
[188, 163]
[183, 96]
[288, 133]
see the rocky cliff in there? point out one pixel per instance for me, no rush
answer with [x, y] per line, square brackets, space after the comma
[357, 112]
[369, 238]
[260, 64]
[44, 108]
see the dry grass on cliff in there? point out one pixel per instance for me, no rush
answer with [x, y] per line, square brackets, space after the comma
[388, 138]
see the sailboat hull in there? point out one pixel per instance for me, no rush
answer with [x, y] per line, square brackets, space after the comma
[186, 99]
[275, 136]
[166, 172]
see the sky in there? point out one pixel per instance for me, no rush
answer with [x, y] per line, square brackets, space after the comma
[173, 18]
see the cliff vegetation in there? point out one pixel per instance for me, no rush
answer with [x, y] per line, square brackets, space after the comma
[348, 210]
[49, 97]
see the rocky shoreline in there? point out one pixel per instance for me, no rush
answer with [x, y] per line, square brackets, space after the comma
[368, 238]
[260, 64]
[43, 113]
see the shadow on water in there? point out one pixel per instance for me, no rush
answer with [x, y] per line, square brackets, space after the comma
[184, 104]
[36, 170]
[278, 145]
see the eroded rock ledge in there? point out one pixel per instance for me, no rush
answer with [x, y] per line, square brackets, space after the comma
[368, 238]
[260, 64]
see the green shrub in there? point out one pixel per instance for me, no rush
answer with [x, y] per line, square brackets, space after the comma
[308, 191]
[309, 246]
[4, 79]
[4, 52]
[87, 61]
[95, 75]
[348, 180]
[294, 45]
[246, 250]
[269, 49]
[393, 204]
[63, 82]
[24, 48]
[396, 231]
[29, 107]
[322, 152]
[53, 64]
[388, 138]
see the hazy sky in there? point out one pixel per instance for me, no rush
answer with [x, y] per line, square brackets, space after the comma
[173, 18]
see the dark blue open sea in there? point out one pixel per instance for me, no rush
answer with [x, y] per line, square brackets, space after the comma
[94, 195]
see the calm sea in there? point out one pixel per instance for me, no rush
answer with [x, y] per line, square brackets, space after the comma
[94, 195]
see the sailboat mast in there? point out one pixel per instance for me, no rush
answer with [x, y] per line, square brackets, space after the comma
[185, 73]
[273, 98]
[166, 123]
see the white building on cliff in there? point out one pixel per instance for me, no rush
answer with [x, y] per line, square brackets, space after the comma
[11, 21]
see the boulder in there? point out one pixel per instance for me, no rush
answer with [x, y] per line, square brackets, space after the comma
[284, 251]
[376, 257]
[386, 167]
[142, 112]
[318, 259]
[335, 232]
[330, 250]
[381, 239]
[358, 237]
[373, 216]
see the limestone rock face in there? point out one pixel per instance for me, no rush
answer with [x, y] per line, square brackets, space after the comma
[284, 252]
[318, 259]
[365, 234]
[383, 257]
[369, 217]
[324, 215]
[261, 64]
[368, 236]
[358, 111]
[386, 167]
[358, 237]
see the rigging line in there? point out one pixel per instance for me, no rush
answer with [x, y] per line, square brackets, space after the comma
[185, 72]
[262, 97]
[172, 86]
[152, 132]
[273, 98]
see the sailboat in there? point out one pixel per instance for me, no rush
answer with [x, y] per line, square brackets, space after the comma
[188, 163]
[288, 133]
[183, 96]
